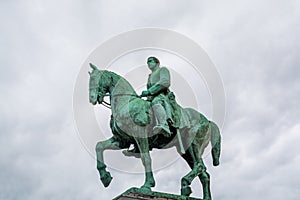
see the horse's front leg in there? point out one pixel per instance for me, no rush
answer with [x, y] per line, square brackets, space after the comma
[100, 147]
[146, 160]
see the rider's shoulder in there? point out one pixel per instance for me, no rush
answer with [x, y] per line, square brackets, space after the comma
[163, 68]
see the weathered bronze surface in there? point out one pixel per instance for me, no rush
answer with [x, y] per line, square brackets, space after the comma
[158, 122]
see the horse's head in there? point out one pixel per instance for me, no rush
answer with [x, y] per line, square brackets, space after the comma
[99, 85]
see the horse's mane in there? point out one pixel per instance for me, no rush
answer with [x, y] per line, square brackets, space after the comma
[118, 79]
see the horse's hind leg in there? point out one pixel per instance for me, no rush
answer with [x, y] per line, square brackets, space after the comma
[186, 181]
[198, 169]
[205, 180]
[100, 147]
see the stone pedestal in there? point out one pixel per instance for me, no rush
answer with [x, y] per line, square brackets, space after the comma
[139, 194]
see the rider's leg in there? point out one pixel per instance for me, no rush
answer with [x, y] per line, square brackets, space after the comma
[167, 107]
[161, 117]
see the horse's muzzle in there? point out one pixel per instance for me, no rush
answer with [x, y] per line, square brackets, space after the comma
[93, 100]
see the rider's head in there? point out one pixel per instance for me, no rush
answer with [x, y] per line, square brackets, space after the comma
[152, 62]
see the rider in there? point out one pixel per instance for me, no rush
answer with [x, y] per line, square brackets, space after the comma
[157, 93]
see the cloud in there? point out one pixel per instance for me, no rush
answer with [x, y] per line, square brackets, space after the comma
[254, 45]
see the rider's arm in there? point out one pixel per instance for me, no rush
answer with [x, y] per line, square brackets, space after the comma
[163, 83]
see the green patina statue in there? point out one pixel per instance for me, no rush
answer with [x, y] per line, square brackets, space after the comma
[158, 122]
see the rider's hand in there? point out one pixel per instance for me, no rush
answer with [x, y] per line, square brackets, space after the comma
[145, 93]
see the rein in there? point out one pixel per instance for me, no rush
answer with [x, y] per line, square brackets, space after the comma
[108, 105]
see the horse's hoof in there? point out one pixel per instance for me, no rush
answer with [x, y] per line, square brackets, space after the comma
[106, 179]
[146, 188]
[186, 191]
[216, 162]
[130, 153]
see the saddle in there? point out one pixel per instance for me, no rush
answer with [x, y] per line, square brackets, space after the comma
[139, 112]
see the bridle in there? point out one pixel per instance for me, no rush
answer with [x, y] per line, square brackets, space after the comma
[102, 95]
[104, 103]
[108, 105]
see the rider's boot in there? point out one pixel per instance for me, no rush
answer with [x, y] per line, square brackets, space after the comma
[161, 121]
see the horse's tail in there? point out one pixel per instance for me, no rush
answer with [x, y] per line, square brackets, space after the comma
[215, 139]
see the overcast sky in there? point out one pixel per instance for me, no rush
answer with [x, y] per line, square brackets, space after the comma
[254, 44]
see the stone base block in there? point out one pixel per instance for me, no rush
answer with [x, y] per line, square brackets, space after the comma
[139, 194]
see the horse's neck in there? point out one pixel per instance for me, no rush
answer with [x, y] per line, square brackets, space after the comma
[121, 86]
[121, 93]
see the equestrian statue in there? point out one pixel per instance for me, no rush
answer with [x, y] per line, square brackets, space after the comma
[155, 122]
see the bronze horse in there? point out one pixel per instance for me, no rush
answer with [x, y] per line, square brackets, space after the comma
[132, 123]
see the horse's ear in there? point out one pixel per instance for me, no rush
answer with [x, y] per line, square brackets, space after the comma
[93, 66]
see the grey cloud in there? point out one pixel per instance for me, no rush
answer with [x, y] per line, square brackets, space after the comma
[254, 44]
